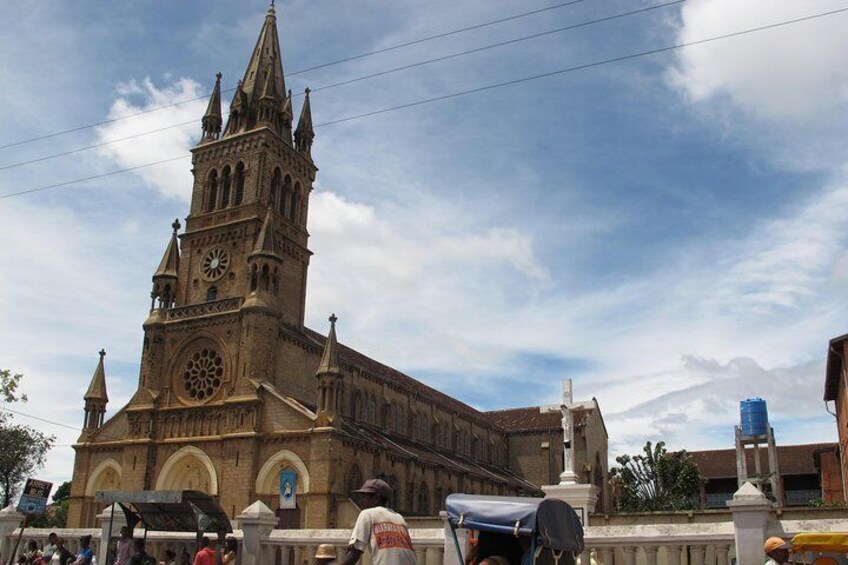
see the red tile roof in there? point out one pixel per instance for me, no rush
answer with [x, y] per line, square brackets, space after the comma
[791, 460]
[530, 419]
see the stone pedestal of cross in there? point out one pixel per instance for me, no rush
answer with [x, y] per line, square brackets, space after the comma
[581, 497]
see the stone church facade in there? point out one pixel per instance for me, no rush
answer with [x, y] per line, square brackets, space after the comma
[234, 391]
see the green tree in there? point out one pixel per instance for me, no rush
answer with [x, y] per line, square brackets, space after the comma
[56, 515]
[655, 480]
[23, 450]
[62, 493]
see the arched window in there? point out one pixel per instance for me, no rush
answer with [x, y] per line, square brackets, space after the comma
[354, 479]
[285, 202]
[437, 433]
[211, 293]
[212, 191]
[294, 211]
[235, 121]
[239, 182]
[225, 187]
[275, 189]
[372, 409]
[423, 505]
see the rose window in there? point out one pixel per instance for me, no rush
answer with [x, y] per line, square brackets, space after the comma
[215, 264]
[203, 373]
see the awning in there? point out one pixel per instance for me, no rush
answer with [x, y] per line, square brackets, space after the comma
[169, 510]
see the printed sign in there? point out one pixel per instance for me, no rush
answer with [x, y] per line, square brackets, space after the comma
[288, 494]
[34, 498]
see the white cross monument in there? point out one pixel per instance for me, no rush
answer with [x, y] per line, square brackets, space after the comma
[581, 497]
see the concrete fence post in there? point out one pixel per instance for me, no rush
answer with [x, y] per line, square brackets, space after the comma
[10, 520]
[118, 520]
[750, 510]
[256, 521]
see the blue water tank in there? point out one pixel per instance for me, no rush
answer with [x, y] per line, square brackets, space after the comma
[754, 417]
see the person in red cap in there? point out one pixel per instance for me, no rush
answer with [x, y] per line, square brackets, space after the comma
[381, 530]
[777, 551]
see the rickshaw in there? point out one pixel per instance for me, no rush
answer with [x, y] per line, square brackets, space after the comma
[524, 531]
[808, 546]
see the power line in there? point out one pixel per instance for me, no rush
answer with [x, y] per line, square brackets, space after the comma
[566, 70]
[55, 423]
[366, 77]
[96, 145]
[500, 44]
[584, 66]
[437, 36]
[302, 71]
[93, 177]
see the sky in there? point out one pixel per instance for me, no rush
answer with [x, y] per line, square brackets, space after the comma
[669, 231]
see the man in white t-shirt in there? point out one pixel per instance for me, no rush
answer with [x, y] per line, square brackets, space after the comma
[381, 530]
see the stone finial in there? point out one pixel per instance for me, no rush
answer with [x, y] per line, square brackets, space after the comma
[176, 225]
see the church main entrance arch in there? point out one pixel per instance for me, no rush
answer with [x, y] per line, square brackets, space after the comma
[189, 469]
[268, 486]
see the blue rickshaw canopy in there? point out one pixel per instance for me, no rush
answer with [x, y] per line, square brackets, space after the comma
[554, 522]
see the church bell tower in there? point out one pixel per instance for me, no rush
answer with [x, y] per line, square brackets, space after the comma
[252, 180]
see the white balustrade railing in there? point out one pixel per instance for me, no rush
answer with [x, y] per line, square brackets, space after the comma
[711, 543]
[659, 544]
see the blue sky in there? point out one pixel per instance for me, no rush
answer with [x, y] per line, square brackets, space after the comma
[669, 232]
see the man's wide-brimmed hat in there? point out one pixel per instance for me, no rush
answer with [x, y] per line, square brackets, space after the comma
[325, 551]
[376, 486]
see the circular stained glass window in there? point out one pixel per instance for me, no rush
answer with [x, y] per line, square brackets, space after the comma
[215, 264]
[203, 374]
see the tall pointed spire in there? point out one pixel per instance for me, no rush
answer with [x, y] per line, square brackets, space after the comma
[266, 63]
[96, 397]
[304, 134]
[330, 358]
[212, 119]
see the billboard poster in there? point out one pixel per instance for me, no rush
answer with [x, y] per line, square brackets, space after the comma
[34, 499]
[288, 485]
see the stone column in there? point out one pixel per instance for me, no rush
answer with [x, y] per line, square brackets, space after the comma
[750, 510]
[256, 521]
[114, 514]
[10, 520]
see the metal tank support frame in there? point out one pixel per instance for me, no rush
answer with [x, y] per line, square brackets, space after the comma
[773, 477]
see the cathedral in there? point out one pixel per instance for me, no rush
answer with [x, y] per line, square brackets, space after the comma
[238, 398]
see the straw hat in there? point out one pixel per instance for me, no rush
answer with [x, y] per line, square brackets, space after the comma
[325, 551]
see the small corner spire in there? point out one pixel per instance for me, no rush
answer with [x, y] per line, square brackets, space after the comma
[167, 274]
[330, 357]
[305, 133]
[97, 388]
[266, 243]
[213, 119]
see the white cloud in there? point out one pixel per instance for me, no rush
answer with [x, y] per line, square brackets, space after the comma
[793, 73]
[708, 397]
[169, 178]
